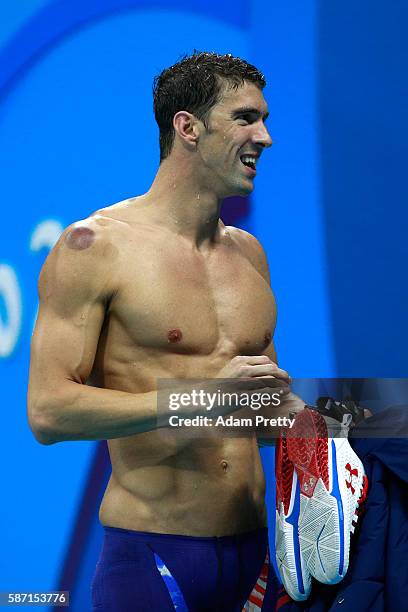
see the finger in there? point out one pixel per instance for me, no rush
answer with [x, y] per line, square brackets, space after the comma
[256, 359]
[244, 384]
[268, 369]
[282, 389]
[269, 382]
[255, 385]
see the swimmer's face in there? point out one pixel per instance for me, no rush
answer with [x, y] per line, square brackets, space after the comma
[236, 129]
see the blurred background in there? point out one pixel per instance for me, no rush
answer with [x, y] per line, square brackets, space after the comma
[77, 132]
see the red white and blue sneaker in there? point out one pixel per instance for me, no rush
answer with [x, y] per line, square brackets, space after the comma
[320, 481]
[291, 564]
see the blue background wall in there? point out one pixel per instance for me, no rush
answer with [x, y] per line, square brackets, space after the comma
[75, 94]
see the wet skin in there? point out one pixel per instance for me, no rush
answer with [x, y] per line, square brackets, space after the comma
[152, 288]
[162, 481]
[163, 309]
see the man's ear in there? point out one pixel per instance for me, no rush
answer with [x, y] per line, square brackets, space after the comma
[186, 126]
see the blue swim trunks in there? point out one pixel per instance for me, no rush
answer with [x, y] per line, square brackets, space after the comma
[149, 572]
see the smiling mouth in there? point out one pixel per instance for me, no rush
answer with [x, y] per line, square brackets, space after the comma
[249, 161]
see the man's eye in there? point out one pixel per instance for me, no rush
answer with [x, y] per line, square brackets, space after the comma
[244, 119]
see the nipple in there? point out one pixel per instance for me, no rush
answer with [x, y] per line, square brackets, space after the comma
[267, 337]
[174, 335]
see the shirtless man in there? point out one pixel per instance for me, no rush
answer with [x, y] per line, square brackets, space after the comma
[157, 287]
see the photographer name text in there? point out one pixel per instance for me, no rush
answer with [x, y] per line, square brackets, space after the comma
[230, 421]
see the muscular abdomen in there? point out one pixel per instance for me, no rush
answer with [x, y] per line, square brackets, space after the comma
[205, 487]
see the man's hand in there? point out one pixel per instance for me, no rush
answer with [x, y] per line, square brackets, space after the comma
[258, 374]
[268, 374]
[292, 403]
[255, 366]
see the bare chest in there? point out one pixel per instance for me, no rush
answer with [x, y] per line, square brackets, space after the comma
[176, 301]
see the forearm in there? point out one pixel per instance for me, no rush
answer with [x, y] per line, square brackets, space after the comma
[82, 412]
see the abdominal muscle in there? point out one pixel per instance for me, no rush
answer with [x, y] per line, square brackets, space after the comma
[193, 486]
[196, 483]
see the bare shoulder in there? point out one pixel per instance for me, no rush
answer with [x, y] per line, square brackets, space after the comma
[250, 248]
[83, 258]
[89, 238]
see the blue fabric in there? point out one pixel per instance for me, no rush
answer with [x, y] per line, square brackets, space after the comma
[336, 493]
[151, 572]
[173, 588]
[377, 579]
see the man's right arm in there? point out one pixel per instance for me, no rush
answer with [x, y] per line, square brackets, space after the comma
[75, 286]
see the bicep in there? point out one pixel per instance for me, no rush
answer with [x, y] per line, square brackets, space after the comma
[63, 346]
[73, 295]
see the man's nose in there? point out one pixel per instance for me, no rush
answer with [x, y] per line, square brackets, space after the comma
[262, 136]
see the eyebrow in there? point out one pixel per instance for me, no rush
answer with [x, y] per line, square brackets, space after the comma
[249, 110]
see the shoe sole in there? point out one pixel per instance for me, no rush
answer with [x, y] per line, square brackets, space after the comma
[295, 575]
[330, 478]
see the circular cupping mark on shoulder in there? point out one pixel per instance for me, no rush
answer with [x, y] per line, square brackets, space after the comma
[80, 238]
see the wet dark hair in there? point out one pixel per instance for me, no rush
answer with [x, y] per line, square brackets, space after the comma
[195, 84]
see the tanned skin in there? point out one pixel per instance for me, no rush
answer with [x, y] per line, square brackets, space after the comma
[157, 287]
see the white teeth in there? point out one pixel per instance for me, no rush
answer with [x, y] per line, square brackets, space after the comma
[248, 159]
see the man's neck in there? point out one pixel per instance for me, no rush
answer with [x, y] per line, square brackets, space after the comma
[180, 203]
